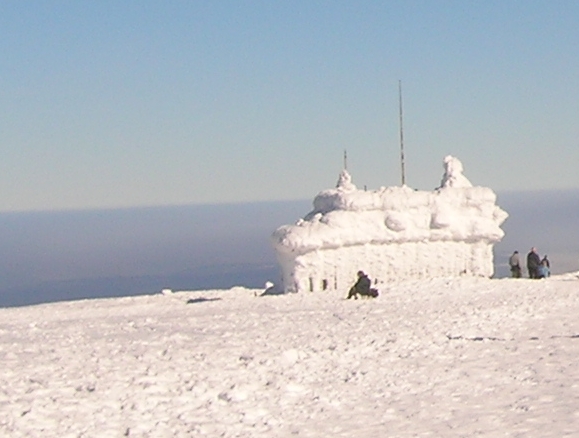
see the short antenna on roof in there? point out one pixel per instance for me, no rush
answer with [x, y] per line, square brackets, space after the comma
[345, 159]
[401, 133]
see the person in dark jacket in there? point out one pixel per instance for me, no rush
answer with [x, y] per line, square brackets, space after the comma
[515, 265]
[533, 262]
[362, 287]
[546, 262]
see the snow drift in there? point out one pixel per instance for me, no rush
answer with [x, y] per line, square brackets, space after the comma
[460, 357]
[391, 233]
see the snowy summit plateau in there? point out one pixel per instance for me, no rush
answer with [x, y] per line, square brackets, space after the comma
[393, 233]
[440, 357]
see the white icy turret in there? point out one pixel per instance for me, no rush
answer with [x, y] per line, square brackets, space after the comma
[453, 176]
[345, 182]
[392, 233]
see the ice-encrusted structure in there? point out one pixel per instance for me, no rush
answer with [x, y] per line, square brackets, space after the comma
[392, 233]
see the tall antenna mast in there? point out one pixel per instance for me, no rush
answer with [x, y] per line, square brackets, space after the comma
[345, 159]
[401, 134]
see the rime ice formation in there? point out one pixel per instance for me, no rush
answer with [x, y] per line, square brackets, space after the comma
[391, 233]
[453, 176]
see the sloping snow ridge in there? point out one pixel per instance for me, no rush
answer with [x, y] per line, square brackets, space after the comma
[393, 233]
[454, 357]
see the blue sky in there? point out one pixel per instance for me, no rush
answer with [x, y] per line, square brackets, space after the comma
[141, 103]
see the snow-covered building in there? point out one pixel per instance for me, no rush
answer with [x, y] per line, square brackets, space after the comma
[392, 233]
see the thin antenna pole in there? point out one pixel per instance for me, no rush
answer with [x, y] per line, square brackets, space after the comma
[401, 133]
[345, 159]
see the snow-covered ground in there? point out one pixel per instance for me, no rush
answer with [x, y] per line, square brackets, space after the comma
[446, 357]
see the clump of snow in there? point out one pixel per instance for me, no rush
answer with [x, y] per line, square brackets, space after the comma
[391, 233]
[453, 176]
[345, 182]
[271, 289]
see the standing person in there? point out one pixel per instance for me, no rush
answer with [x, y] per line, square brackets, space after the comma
[515, 265]
[533, 262]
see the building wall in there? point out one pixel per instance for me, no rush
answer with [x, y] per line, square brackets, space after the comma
[330, 269]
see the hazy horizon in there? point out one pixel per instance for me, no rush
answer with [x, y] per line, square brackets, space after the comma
[53, 256]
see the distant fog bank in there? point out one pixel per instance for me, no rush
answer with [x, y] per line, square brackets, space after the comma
[53, 256]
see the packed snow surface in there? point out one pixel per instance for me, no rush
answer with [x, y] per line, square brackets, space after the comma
[441, 357]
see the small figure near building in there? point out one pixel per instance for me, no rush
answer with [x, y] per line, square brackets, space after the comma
[546, 262]
[515, 265]
[362, 287]
[533, 262]
[544, 269]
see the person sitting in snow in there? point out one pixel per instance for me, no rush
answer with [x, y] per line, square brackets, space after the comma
[515, 265]
[362, 287]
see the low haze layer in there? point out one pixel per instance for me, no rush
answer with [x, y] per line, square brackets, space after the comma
[55, 256]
